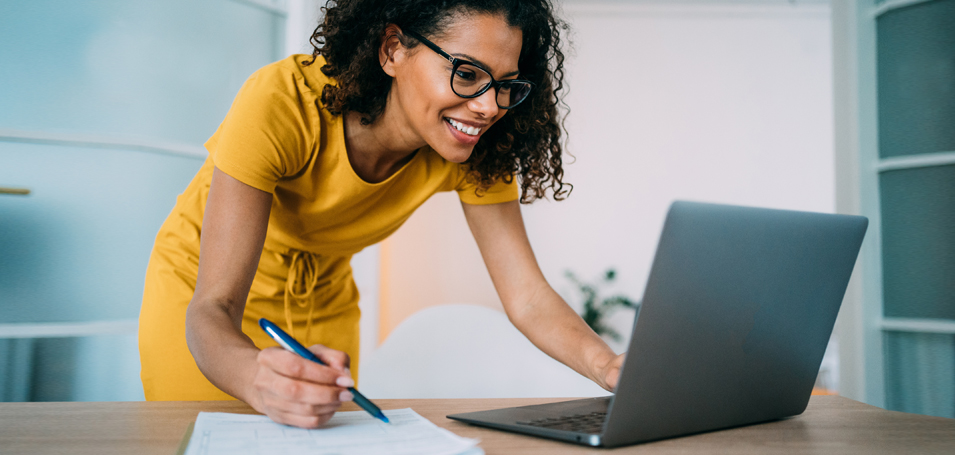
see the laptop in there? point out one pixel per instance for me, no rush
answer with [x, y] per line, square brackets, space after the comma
[737, 312]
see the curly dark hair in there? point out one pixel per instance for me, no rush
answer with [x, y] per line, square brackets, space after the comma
[525, 142]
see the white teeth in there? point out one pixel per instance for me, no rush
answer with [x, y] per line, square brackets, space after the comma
[469, 130]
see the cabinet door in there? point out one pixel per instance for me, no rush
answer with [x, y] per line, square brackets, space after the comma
[915, 45]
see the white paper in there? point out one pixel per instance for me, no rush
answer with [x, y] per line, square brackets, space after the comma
[347, 433]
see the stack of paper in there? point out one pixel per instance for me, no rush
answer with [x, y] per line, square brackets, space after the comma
[347, 433]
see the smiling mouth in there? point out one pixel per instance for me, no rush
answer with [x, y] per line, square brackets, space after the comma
[469, 130]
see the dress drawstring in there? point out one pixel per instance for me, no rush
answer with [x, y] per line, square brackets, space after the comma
[302, 278]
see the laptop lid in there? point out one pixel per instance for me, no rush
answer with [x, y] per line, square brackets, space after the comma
[736, 316]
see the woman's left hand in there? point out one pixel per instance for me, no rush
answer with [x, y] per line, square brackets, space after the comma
[609, 373]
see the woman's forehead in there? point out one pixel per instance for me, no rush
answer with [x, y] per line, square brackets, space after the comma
[485, 39]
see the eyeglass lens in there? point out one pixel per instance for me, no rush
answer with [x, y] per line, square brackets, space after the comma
[469, 80]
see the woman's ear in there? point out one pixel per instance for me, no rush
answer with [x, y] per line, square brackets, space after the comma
[391, 47]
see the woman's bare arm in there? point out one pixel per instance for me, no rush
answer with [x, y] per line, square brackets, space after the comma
[287, 388]
[530, 302]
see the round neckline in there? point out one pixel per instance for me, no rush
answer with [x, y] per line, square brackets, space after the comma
[351, 168]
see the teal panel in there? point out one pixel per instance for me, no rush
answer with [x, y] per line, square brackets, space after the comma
[916, 79]
[163, 70]
[95, 368]
[920, 373]
[76, 248]
[16, 369]
[918, 242]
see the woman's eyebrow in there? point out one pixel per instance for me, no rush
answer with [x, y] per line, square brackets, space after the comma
[483, 65]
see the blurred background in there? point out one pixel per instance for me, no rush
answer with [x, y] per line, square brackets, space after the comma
[845, 106]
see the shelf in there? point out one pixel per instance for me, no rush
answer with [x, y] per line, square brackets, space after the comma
[68, 329]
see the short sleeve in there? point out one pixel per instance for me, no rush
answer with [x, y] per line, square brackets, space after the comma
[267, 134]
[501, 191]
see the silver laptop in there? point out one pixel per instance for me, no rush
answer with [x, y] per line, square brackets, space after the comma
[736, 316]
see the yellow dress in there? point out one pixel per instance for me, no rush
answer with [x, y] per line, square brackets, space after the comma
[278, 138]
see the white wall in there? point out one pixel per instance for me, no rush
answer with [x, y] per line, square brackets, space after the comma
[724, 101]
[302, 18]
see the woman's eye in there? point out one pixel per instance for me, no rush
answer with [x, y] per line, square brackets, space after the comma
[465, 75]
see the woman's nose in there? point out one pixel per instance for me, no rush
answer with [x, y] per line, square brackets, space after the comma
[486, 104]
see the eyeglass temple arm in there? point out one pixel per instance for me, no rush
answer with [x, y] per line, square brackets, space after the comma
[431, 46]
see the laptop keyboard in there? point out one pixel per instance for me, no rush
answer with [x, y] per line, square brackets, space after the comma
[591, 423]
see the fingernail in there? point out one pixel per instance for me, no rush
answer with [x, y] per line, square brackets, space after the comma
[345, 381]
[345, 396]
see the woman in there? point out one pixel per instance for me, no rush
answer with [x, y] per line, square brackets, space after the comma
[323, 155]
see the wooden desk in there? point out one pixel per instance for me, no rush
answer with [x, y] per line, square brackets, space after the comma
[831, 425]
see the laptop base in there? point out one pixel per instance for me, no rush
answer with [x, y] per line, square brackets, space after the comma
[507, 419]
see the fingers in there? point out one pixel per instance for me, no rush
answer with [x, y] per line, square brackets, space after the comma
[284, 379]
[333, 358]
[613, 372]
[278, 388]
[612, 377]
[277, 404]
[294, 366]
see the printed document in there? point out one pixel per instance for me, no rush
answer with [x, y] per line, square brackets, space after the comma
[347, 433]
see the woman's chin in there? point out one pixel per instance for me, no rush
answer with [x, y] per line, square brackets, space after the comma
[454, 155]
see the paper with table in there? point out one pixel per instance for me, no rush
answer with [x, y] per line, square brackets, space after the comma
[347, 433]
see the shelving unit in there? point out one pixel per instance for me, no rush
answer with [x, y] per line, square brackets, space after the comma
[96, 143]
[900, 88]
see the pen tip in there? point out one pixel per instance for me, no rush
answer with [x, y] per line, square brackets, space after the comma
[383, 418]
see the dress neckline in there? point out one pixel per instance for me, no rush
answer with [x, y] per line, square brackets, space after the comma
[351, 168]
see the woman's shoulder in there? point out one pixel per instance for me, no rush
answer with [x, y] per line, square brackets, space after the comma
[299, 72]
[286, 94]
[274, 124]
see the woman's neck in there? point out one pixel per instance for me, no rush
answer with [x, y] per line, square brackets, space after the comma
[379, 150]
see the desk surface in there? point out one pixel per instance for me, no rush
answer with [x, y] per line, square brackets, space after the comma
[830, 425]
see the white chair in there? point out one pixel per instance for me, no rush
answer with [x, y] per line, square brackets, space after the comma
[465, 351]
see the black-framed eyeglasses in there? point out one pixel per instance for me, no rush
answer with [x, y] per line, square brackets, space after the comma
[469, 80]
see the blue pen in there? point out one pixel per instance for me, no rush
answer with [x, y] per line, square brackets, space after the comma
[289, 343]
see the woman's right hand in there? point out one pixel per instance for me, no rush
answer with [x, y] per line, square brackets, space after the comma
[298, 392]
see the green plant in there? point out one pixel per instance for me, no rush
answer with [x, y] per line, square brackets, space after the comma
[595, 309]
